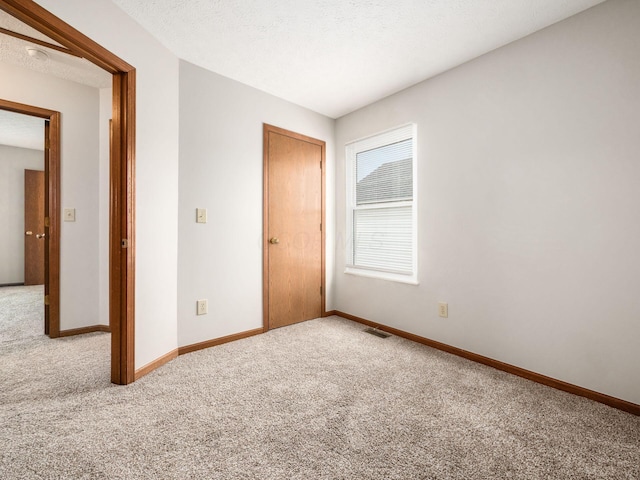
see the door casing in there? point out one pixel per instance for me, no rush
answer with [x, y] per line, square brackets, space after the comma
[265, 219]
[51, 208]
[122, 177]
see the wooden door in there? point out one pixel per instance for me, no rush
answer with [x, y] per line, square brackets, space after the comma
[294, 270]
[34, 235]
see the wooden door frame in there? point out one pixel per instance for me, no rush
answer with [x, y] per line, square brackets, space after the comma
[122, 177]
[265, 216]
[51, 209]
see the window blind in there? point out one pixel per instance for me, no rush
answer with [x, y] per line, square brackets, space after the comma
[383, 239]
[382, 218]
[385, 174]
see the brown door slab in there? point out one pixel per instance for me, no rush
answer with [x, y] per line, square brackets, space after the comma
[293, 233]
[34, 233]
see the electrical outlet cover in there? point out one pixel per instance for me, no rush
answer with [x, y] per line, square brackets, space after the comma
[443, 310]
[201, 307]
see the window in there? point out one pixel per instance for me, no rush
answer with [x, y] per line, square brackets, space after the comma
[381, 206]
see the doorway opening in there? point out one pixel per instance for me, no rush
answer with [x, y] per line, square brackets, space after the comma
[51, 210]
[121, 178]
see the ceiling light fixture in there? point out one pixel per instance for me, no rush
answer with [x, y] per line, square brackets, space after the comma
[37, 54]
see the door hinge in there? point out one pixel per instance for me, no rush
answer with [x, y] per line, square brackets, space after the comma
[125, 243]
[46, 299]
[320, 227]
[320, 164]
[46, 221]
[320, 289]
[46, 143]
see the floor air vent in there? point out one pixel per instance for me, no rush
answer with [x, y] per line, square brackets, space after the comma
[377, 333]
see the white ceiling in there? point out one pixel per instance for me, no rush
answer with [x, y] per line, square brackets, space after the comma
[24, 131]
[331, 56]
[13, 51]
[335, 56]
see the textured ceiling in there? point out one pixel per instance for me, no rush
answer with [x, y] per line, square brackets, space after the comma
[23, 131]
[15, 25]
[13, 51]
[334, 56]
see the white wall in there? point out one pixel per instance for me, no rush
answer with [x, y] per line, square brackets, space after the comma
[13, 162]
[529, 204]
[156, 165]
[106, 97]
[79, 107]
[221, 169]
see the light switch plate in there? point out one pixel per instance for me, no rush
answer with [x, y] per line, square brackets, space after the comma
[69, 214]
[201, 215]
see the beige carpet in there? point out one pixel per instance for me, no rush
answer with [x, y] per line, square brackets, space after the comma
[21, 313]
[318, 400]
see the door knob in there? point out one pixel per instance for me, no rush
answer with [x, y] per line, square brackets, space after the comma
[39, 236]
[274, 240]
[28, 232]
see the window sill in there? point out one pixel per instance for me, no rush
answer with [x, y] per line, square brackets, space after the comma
[392, 277]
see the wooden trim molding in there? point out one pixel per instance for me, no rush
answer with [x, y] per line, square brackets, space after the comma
[45, 22]
[265, 228]
[219, 341]
[157, 363]
[37, 41]
[51, 208]
[122, 182]
[81, 331]
[122, 229]
[26, 109]
[505, 367]
[166, 358]
[323, 280]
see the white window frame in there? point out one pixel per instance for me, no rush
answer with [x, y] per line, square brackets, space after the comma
[387, 137]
